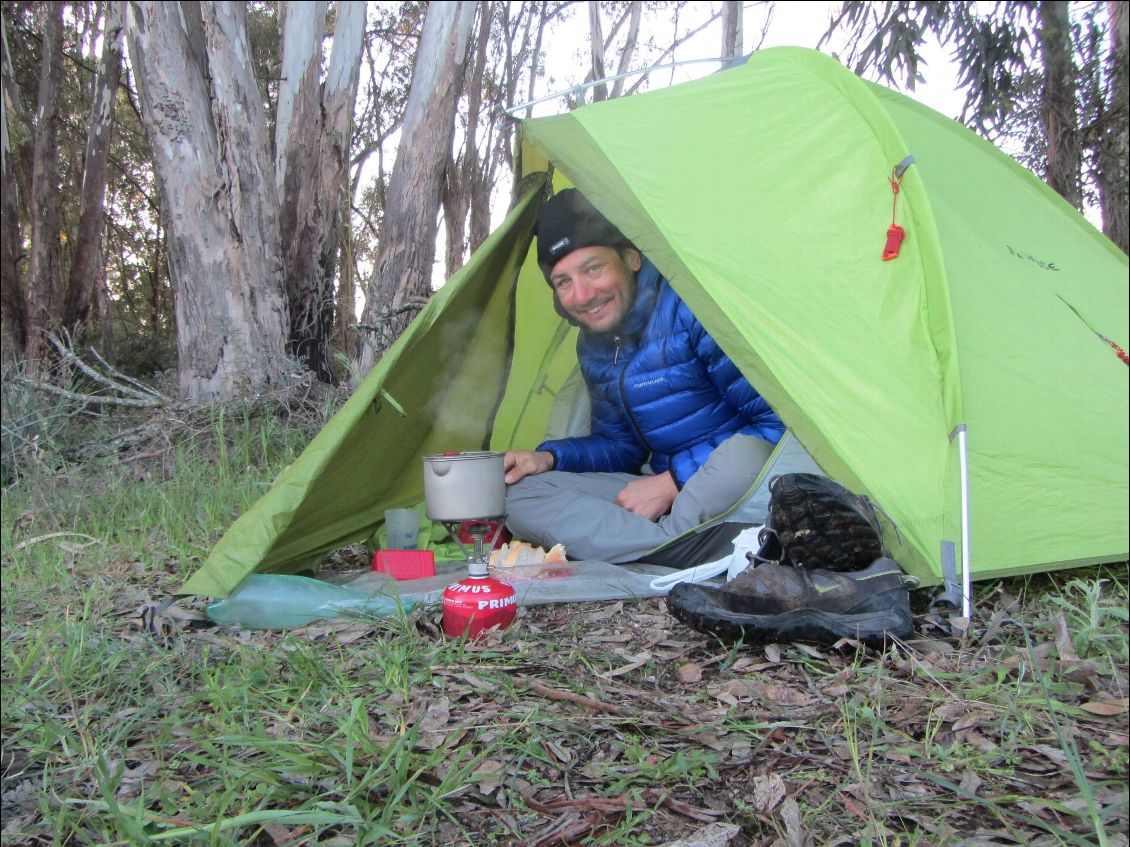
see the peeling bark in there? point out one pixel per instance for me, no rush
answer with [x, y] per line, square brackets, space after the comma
[207, 132]
[403, 269]
[313, 139]
[461, 176]
[87, 267]
[43, 276]
[301, 216]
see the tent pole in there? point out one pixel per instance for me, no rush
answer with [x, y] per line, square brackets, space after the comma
[578, 90]
[966, 574]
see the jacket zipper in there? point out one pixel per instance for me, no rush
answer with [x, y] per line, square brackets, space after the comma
[624, 399]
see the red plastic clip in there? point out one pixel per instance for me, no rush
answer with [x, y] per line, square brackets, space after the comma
[1119, 351]
[895, 235]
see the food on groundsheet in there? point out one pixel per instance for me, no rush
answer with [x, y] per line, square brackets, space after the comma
[516, 554]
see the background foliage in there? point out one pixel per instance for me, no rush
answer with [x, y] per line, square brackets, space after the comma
[1001, 49]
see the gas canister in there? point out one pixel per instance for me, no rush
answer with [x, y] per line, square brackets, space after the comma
[477, 603]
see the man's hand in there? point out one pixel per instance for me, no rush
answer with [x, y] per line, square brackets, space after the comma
[522, 463]
[650, 496]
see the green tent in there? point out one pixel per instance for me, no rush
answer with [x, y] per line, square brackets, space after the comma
[970, 386]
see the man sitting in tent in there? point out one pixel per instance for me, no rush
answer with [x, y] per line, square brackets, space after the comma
[678, 434]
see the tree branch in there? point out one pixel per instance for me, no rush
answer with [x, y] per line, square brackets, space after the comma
[128, 379]
[670, 50]
[86, 398]
[148, 394]
[388, 314]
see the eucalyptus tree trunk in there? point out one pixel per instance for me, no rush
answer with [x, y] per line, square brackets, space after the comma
[402, 272]
[43, 285]
[203, 114]
[596, 51]
[630, 13]
[633, 13]
[733, 38]
[1061, 123]
[312, 139]
[522, 38]
[492, 86]
[13, 306]
[461, 175]
[1115, 151]
[87, 270]
[514, 62]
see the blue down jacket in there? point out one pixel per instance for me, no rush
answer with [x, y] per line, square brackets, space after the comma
[660, 387]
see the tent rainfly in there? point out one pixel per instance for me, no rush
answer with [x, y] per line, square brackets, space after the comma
[974, 385]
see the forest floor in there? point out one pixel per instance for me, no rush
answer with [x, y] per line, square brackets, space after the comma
[128, 722]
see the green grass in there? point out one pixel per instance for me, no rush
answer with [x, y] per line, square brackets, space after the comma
[385, 732]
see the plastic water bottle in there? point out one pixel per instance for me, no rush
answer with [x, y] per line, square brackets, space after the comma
[281, 601]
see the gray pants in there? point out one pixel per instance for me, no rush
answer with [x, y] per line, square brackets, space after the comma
[579, 510]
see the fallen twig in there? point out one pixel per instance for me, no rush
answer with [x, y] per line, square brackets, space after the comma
[87, 398]
[132, 389]
[50, 535]
[148, 454]
[569, 696]
[608, 805]
[583, 804]
[118, 375]
[689, 811]
[568, 829]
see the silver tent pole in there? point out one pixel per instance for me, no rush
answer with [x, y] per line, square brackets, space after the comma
[578, 90]
[966, 571]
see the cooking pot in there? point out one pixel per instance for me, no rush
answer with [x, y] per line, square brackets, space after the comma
[458, 486]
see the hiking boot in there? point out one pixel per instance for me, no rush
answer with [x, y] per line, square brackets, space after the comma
[772, 602]
[817, 523]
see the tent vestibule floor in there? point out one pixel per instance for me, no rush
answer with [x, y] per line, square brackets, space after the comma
[571, 582]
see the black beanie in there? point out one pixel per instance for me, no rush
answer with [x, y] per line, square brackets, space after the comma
[569, 222]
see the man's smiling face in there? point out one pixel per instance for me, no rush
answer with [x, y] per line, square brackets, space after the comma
[596, 286]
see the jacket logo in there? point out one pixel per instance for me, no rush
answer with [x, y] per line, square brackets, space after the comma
[656, 381]
[559, 245]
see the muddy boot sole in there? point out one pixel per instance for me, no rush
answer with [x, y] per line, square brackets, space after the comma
[820, 524]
